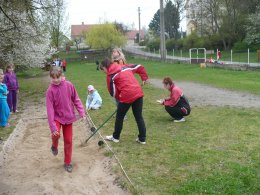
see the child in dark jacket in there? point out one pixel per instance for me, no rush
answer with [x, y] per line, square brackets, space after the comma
[11, 82]
[123, 86]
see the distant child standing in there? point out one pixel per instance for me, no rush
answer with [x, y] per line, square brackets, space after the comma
[61, 98]
[64, 65]
[94, 100]
[218, 55]
[4, 108]
[11, 82]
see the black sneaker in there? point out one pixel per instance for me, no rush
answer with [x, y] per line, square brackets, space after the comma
[54, 151]
[68, 167]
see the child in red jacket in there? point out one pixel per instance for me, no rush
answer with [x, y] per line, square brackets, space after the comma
[177, 104]
[123, 86]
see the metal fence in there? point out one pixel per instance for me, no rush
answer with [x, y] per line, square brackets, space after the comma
[248, 57]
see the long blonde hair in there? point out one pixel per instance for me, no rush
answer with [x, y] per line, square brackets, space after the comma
[118, 55]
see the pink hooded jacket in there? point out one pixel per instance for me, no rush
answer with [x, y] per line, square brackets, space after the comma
[60, 102]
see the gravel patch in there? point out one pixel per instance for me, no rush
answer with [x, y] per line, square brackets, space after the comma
[205, 95]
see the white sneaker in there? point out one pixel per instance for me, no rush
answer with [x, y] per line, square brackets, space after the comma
[179, 121]
[137, 140]
[111, 138]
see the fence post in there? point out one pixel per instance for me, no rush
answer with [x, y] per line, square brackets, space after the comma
[248, 55]
[190, 55]
[166, 52]
[172, 52]
[154, 50]
[181, 53]
[231, 55]
[159, 51]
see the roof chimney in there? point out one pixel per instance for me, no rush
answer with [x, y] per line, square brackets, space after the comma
[82, 23]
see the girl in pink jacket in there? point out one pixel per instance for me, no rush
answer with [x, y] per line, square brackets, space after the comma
[177, 104]
[61, 98]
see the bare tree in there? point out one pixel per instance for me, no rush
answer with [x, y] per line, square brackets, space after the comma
[55, 20]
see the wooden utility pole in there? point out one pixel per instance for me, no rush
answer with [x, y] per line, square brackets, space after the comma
[139, 13]
[162, 45]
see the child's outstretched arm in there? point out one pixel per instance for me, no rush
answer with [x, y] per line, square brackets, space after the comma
[139, 69]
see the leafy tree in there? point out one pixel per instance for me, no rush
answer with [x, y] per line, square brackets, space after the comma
[121, 27]
[253, 28]
[55, 22]
[172, 19]
[155, 23]
[224, 17]
[105, 36]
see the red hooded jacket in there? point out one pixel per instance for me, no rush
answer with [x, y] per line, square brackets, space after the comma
[122, 84]
[176, 94]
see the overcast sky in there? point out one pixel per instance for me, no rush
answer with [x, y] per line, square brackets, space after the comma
[122, 11]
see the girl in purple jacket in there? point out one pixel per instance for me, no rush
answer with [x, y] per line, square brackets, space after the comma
[61, 98]
[13, 87]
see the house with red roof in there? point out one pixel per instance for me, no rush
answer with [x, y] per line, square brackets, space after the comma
[77, 33]
[132, 36]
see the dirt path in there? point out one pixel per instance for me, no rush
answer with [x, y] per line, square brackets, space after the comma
[27, 165]
[203, 95]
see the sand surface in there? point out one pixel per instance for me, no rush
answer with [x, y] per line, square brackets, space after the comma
[27, 165]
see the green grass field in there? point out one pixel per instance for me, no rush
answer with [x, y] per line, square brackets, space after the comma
[216, 151]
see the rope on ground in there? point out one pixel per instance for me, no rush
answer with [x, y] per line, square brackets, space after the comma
[118, 161]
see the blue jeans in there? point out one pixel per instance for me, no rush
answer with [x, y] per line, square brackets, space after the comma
[122, 108]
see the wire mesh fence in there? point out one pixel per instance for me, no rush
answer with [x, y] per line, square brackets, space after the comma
[250, 57]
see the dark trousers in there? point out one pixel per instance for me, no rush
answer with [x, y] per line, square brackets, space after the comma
[12, 100]
[176, 112]
[137, 107]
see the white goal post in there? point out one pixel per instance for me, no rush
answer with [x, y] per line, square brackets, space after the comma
[197, 55]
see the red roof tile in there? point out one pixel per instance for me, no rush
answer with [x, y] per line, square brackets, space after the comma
[76, 30]
[131, 34]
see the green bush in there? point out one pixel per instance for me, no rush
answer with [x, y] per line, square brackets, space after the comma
[170, 44]
[142, 43]
[155, 44]
[255, 47]
[190, 41]
[240, 46]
